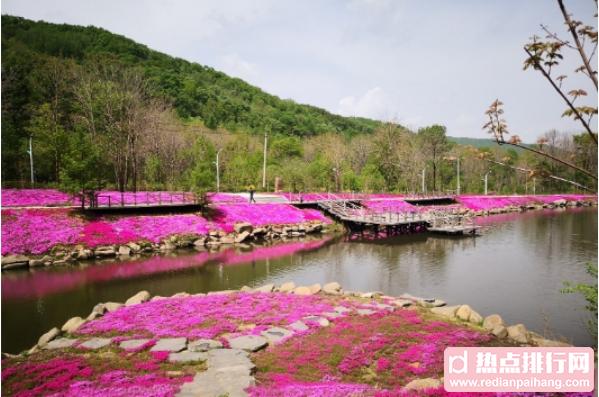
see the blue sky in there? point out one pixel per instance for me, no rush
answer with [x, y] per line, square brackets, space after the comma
[415, 62]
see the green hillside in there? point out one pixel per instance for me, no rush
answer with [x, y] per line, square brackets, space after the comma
[196, 91]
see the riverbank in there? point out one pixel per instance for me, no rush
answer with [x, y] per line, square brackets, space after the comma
[33, 237]
[268, 341]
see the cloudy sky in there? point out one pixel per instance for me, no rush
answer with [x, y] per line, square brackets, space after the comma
[415, 62]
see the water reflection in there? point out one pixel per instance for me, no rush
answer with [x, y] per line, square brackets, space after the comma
[38, 283]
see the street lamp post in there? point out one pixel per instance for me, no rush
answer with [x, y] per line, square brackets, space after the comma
[457, 160]
[264, 162]
[30, 152]
[486, 182]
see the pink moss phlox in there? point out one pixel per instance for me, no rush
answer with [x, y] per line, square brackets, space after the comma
[36, 198]
[35, 231]
[207, 316]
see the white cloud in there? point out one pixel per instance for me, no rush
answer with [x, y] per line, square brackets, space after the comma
[375, 104]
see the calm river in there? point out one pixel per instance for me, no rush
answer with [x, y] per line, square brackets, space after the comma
[516, 268]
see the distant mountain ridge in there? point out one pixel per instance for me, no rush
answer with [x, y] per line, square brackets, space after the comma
[196, 91]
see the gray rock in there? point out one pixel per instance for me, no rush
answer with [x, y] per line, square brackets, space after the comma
[265, 288]
[245, 288]
[14, 259]
[201, 242]
[332, 315]
[298, 326]
[402, 302]
[124, 250]
[318, 320]
[518, 333]
[463, 312]
[540, 341]
[36, 263]
[233, 360]
[499, 331]
[84, 254]
[475, 318]
[14, 262]
[100, 308]
[445, 311]
[333, 288]
[287, 287]
[112, 306]
[250, 343]
[365, 312]
[140, 297]
[426, 383]
[104, 251]
[315, 288]
[492, 321]
[381, 306]
[227, 240]
[241, 227]
[60, 343]
[241, 237]
[169, 345]
[133, 344]
[276, 334]
[134, 247]
[302, 291]
[95, 343]
[341, 309]
[72, 325]
[187, 357]
[203, 345]
[229, 374]
[48, 336]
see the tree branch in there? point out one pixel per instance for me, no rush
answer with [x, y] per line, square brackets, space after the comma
[580, 47]
[564, 97]
[540, 152]
[549, 176]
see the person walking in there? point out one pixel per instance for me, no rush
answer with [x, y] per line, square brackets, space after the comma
[252, 190]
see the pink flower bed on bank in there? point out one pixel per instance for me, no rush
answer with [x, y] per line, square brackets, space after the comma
[37, 230]
[207, 316]
[36, 197]
[264, 214]
[72, 375]
[491, 202]
[389, 205]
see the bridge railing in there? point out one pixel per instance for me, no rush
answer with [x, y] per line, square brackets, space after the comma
[142, 199]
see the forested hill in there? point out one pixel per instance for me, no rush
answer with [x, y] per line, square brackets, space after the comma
[194, 90]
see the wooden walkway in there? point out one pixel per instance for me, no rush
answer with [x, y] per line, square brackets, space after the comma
[358, 218]
[143, 202]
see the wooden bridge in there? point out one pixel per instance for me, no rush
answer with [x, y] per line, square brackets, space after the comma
[142, 202]
[393, 221]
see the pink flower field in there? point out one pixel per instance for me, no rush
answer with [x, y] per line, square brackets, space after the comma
[36, 197]
[493, 202]
[264, 214]
[207, 316]
[371, 355]
[36, 231]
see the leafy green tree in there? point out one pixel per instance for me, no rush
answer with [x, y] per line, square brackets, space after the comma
[434, 144]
